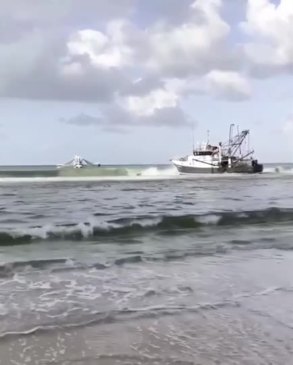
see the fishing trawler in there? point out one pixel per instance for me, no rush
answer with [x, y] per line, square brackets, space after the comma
[231, 157]
[77, 163]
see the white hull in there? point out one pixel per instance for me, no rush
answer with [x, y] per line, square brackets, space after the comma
[243, 168]
[195, 168]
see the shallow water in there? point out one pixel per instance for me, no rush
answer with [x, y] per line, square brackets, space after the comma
[156, 270]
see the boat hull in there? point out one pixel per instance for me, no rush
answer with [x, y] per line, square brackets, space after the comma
[195, 170]
[240, 169]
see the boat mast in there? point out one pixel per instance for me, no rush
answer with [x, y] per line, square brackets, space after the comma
[238, 134]
[230, 144]
[231, 133]
[236, 143]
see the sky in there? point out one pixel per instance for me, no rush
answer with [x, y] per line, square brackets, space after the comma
[126, 81]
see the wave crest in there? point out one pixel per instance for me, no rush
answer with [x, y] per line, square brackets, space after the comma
[144, 225]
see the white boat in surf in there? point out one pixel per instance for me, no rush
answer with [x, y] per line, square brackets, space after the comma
[231, 156]
[77, 163]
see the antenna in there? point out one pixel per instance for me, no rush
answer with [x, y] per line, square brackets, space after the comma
[238, 133]
[192, 137]
[231, 132]
[208, 136]
[230, 138]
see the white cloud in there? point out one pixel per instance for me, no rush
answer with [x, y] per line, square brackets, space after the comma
[99, 64]
[170, 50]
[157, 107]
[98, 53]
[147, 105]
[227, 85]
[191, 46]
[104, 50]
[271, 29]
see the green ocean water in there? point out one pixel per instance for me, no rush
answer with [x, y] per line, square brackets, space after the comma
[91, 171]
[103, 171]
[139, 265]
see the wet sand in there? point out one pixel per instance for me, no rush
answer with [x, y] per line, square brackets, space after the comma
[252, 324]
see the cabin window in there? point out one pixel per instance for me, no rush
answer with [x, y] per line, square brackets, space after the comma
[203, 153]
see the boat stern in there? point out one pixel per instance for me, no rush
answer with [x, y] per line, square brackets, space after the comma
[257, 167]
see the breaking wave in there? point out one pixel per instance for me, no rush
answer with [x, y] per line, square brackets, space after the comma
[278, 169]
[165, 225]
[155, 171]
[113, 173]
[51, 172]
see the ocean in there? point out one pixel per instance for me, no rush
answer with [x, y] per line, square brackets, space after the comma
[138, 265]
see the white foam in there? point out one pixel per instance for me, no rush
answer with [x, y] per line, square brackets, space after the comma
[154, 171]
[40, 232]
[43, 232]
[142, 174]
[278, 170]
[209, 219]
[85, 229]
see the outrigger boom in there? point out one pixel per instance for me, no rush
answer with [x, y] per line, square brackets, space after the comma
[77, 162]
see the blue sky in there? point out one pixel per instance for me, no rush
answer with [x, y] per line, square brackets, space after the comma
[124, 82]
